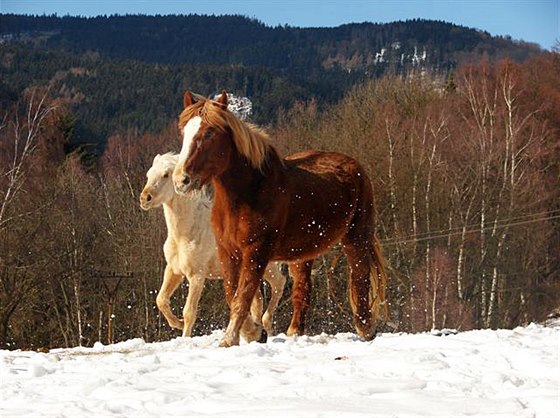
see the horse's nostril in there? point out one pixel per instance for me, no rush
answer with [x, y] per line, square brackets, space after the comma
[149, 198]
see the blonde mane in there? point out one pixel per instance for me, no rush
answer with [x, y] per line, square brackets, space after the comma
[251, 141]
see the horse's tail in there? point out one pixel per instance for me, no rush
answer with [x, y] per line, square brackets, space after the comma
[378, 277]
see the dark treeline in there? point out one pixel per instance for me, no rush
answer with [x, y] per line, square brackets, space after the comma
[237, 39]
[466, 176]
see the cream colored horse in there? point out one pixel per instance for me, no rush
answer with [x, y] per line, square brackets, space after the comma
[190, 251]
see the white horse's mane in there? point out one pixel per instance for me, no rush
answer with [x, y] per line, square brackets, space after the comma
[166, 161]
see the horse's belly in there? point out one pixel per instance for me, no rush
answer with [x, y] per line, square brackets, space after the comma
[306, 245]
[315, 223]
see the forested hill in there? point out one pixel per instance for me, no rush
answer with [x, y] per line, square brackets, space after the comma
[129, 72]
[239, 40]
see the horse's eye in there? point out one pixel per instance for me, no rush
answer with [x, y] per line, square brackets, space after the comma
[208, 134]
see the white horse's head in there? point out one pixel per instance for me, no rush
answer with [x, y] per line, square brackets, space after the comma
[159, 186]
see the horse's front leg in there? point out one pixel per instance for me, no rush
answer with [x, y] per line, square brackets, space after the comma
[230, 265]
[253, 263]
[171, 282]
[196, 284]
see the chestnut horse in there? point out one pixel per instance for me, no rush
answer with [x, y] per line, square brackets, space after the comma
[271, 209]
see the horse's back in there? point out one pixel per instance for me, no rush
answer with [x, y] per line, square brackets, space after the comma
[331, 174]
[332, 165]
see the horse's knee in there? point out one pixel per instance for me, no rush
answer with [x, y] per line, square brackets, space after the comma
[162, 302]
[163, 306]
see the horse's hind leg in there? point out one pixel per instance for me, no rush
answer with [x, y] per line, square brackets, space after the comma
[196, 284]
[277, 281]
[358, 250]
[171, 282]
[301, 295]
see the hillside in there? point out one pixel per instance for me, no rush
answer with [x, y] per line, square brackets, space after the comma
[239, 40]
[129, 72]
[107, 94]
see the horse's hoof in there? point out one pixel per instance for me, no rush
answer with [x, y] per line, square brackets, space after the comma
[263, 337]
[224, 344]
[228, 342]
[367, 335]
[294, 332]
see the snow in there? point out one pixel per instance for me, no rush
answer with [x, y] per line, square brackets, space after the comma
[503, 373]
[242, 107]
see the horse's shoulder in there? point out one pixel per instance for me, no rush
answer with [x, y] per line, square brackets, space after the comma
[169, 247]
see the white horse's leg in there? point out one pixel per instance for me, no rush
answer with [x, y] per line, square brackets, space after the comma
[196, 284]
[257, 307]
[277, 281]
[170, 283]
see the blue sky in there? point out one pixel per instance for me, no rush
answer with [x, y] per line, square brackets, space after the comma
[530, 20]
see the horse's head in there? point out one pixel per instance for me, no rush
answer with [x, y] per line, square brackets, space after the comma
[159, 186]
[207, 142]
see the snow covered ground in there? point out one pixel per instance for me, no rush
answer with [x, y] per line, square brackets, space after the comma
[504, 373]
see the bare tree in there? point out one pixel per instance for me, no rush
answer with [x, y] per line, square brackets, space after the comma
[21, 134]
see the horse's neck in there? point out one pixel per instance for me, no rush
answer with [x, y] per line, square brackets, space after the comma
[240, 181]
[184, 217]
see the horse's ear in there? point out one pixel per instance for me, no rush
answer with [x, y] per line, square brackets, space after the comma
[188, 99]
[222, 100]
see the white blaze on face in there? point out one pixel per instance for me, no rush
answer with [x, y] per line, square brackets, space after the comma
[189, 132]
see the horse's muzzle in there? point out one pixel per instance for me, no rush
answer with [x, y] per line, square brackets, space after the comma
[145, 201]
